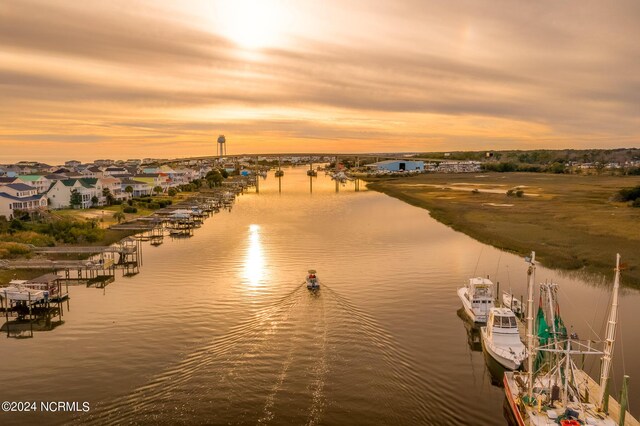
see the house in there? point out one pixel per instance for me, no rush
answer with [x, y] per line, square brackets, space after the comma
[60, 193]
[397, 165]
[139, 188]
[153, 180]
[40, 182]
[19, 196]
[114, 186]
[72, 164]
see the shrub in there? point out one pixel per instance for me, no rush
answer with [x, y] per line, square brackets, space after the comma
[172, 192]
[29, 237]
[130, 209]
[636, 203]
[10, 250]
[629, 194]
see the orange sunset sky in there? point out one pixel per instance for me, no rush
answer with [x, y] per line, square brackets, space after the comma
[141, 78]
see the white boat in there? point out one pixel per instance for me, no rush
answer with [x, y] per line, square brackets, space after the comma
[477, 298]
[18, 290]
[312, 280]
[510, 301]
[501, 338]
[554, 390]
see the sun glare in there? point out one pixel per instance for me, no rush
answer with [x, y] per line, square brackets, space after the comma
[253, 24]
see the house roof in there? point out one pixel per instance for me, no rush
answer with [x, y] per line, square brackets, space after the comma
[7, 179]
[20, 187]
[30, 198]
[30, 178]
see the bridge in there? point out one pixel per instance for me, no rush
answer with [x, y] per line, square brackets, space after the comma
[376, 156]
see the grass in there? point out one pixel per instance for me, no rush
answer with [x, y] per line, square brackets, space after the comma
[569, 220]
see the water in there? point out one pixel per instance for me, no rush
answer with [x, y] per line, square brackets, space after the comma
[219, 329]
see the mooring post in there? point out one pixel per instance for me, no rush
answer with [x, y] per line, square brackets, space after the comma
[624, 399]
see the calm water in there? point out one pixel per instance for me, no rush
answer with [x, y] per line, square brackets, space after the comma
[218, 328]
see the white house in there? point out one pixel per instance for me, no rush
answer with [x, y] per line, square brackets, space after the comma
[40, 182]
[60, 193]
[139, 188]
[18, 196]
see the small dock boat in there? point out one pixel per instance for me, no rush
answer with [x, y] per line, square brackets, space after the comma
[18, 291]
[509, 300]
[501, 338]
[477, 298]
[312, 280]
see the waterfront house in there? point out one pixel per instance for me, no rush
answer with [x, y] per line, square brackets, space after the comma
[139, 188]
[19, 196]
[60, 193]
[40, 182]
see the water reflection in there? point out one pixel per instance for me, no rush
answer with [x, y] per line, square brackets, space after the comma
[473, 331]
[254, 260]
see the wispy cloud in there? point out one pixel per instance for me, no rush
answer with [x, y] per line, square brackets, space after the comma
[414, 74]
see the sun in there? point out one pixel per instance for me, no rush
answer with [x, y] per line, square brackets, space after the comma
[252, 24]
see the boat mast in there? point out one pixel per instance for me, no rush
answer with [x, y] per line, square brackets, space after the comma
[610, 339]
[530, 281]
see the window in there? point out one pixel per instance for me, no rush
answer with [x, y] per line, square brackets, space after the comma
[496, 321]
[512, 321]
[505, 322]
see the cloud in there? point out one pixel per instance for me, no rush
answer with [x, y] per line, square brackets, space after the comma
[446, 71]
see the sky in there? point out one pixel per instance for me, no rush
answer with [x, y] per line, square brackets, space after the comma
[156, 78]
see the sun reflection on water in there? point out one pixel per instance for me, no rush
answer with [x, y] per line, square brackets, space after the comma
[254, 260]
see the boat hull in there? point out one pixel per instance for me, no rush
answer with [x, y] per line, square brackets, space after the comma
[511, 400]
[508, 363]
[466, 304]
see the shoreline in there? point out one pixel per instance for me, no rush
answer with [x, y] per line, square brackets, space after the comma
[565, 219]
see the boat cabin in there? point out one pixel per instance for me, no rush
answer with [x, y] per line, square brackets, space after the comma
[503, 321]
[480, 291]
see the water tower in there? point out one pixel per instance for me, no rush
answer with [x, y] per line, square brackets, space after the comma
[222, 146]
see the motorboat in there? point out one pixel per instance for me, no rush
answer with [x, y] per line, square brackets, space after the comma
[477, 298]
[501, 338]
[19, 291]
[279, 173]
[510, 301]
[312, 280]
[312, 172]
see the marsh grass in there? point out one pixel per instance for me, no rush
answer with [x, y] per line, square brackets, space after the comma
[571, 221]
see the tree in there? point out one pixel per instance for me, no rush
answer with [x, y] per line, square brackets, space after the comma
[172, 192]
[76, 199]
[95, 200]
[214, 178]
[106, 193]
[129, 190]
[119, 216]
[157, 190]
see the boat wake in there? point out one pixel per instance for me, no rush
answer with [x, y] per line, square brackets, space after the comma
[276, 368]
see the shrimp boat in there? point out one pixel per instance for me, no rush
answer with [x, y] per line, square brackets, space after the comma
[477, 298]
[501, 338]
[312, 280]
[554, 390]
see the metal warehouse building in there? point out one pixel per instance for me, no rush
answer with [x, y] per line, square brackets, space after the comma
[397, 165]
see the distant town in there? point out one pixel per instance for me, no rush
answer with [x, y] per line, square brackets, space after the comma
[29, 186]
